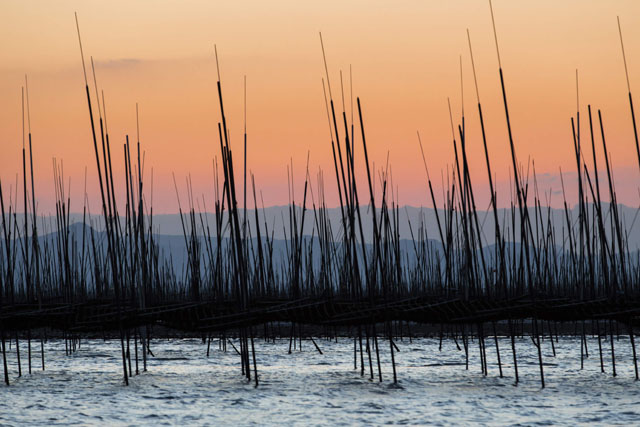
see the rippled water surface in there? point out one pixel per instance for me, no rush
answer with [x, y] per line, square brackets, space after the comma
[184, 387]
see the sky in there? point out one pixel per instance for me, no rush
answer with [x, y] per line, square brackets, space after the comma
[404, 58]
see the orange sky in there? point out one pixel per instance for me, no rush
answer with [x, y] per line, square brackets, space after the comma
[405, 59]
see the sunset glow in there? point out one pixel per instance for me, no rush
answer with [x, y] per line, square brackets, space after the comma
[405, 61]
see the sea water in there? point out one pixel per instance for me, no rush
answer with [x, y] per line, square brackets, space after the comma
[182, 386]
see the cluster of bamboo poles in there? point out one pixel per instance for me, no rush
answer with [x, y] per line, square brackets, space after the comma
[235, 266]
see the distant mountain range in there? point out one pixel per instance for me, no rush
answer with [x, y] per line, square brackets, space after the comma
[412, 221]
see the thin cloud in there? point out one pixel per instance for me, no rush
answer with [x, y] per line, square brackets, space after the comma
[119, 63]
